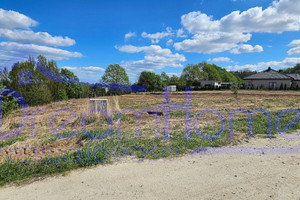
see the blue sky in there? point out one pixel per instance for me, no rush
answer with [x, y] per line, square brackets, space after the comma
[87, 36]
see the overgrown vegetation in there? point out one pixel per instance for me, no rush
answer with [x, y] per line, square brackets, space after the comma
[128, 148]
[113, 150]
[52, 91]
[36, 88]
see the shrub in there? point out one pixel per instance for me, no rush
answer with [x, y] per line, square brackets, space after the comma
[235, 89]
[37, 95]
[62, 95]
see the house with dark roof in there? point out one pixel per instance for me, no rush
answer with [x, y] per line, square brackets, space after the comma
[271, 79]
[296, 79]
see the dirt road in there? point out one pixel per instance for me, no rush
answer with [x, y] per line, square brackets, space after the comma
[202, 177]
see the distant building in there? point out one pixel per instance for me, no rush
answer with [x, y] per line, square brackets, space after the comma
[271, 79]
[296, 79]
[226, 84]
[172, 88]
[212, 84]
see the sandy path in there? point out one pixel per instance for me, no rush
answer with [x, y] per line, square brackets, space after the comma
[201, 177]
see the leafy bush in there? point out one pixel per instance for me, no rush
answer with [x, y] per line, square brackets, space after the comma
[62, 95]
[37, 95]
[8, 105]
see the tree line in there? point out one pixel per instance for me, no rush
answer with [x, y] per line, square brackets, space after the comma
[42, 90]
[38, 90]
[191, 76]
[25, 78]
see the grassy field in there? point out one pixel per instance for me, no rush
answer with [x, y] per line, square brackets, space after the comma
[44, 153]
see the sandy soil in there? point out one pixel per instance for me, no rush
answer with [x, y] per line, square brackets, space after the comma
[201, 177]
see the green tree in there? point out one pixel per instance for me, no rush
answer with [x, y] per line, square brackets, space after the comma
[8, 102]
[193, 74]
[235, 89]
[73, 90]
[115, 74]
[58, 90]
[151, 80]
[293, 70]
[174, 80]
[180, 82]
[35, 93]
[212, 72]
[165, 79]
[243, 73]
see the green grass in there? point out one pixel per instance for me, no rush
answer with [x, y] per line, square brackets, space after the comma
[13, 125]
[179, 113]
[240, 123]
[50, 139]
[18, 171]
[8, 142]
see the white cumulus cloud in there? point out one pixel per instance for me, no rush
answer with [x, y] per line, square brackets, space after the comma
[23, 42]
[89, 69]
[197, 22]
[296, 47]
[278, 17]
[10, 19]
[156, 37]
[20, 52]
[155, 58]
[129, 35]
[212, 42]
[246, 48]
[169, 42]
[90, 74]
[180, 33]
[285, 63]
[41, 38]
[220, 59]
